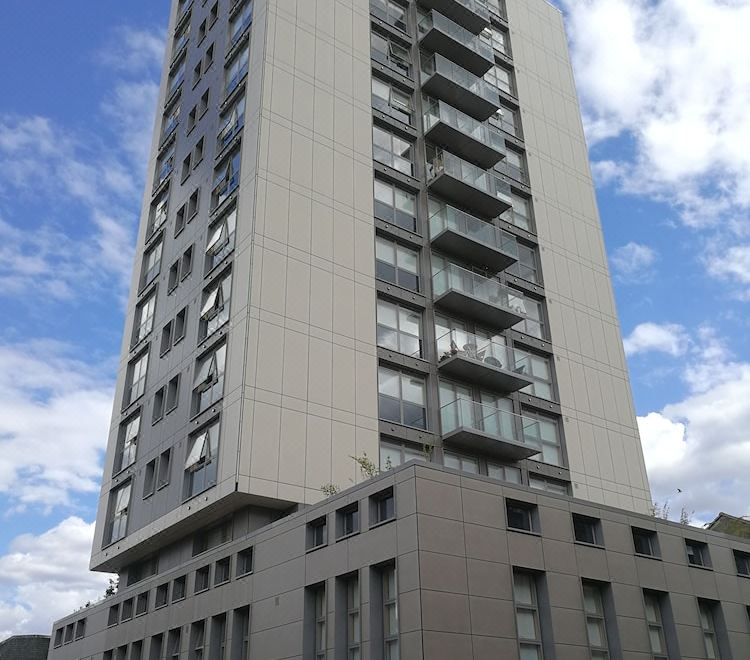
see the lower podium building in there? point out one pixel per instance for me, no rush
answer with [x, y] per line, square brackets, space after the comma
[423, 562]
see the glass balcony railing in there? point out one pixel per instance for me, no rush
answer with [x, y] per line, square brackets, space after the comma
[459, 179]
[486, 362]
[440, 34]
[455, 221]
[465, 292]
[437, 64]
[230, 128]
[463, 134]
[235, 80]
[224, 189]
[240, 29]
[473, 14]
[482, 426]
[164, 171]
[169, 128]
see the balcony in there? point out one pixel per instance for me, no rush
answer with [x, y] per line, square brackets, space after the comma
[163, 172]
[441, 35]
[472, 187]
[484, 362]
[485, 300]
[473, 15]
[459, 87]
[461, 134]
[229, 130]
[486, 428]
[472, 240]
[234, 81]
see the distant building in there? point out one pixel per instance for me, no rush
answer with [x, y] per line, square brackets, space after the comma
[727, 524]
[24, 647]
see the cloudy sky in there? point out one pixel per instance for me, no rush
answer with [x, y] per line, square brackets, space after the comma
[665, 89]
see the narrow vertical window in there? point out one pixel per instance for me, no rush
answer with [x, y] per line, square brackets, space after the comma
[596, 625]
[353, 621]
[654, 621]
[320, 622]
[390, 613]
[527, 616]
[119, 505]
[707, 610]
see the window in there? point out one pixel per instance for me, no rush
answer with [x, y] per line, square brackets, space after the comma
[208, 58]
[587, 530]
[244, 562]
[222, 571]
[203, 578]
[165, 460]
[353, 619]
[141, 603]
[395, 205]
[241, 634]
[81, 629]
[645, 542]
[401, 398]
[158, 408]
[390, 54]
[156, 646]
[69, 633]
[527, 615]
[521, 516]
[166, 344]
[396, 264]
[192, 115]
[197, 640]
[215, 306]
[461, 462]
[180, 322]
[533, 325]
[235, 120]
[697, 553]
[144, 315]
[136, 650]
[496, 38]
[212, 537]
[173, 644]
[221, 239]
[203, 103]
[550, 485]
[176, 78]
[526, 267]
[129, 431]
[596, 624]
[179, 225]
[393, 454]
[502, 79]
[173, 393]
[127, 610]
[655, 625]
[186, 167]
[391, 101]
[218, 637]
[113, 617]
[504, 473]
[507, 120]
[236, 71]
[158, 215]
[520, 212]
[382, 507]
[201, 465]
[537, 367]
[119, 505]
[187, 263]
[392, 151]
[198, 152]
[149, 478]
[348, 520]
[58, 637]
[707, 611]
[162, 595]
[240, 22]
[543, 433]
[742, 561]
[389, 11]
[173, 279]
[514, 165]
[399, 328]
[208, 385]
[316, 533]
[202, 30]
[390, 612]
[319, 599]
[179, 588]
[151, 264]
[226, 179]
[143, 569]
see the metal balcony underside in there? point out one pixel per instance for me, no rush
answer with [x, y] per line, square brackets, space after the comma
[488, 372]
[486, 313]
[440, 41]
[463, 144]
[440, 85]
[473, 251]
[472, 439]
[450, 187]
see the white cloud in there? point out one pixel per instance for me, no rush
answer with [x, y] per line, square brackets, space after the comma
[44, 577]
[54, 421]
[76, 169]
[667, 338]
[673, 76]
[632, 262]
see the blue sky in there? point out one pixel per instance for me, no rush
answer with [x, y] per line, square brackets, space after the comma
[670, 150]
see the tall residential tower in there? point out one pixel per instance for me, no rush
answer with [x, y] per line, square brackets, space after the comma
[370, 233]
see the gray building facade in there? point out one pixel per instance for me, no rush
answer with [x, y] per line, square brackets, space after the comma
[369, 236]
[434, 564]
